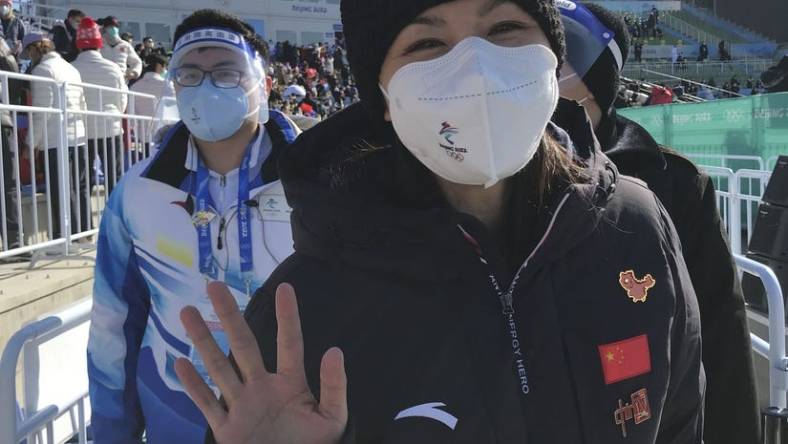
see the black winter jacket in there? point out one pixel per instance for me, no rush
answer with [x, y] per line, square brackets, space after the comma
[430, 354]
[690, 199]
[65, 40]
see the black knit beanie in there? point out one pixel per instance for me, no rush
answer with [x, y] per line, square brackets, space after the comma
[371, 26]
[602, 79]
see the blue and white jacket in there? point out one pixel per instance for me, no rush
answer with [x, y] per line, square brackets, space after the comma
[147, 270]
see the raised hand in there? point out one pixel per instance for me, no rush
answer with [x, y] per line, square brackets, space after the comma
[263, 407]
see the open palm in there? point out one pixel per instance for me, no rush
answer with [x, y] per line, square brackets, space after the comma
[263, 407]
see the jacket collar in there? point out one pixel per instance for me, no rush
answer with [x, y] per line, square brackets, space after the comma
[261, 149]
[90, 55]
[364, 224]
[49, 56]
[626, 139]
[153, 75]
[172, 164]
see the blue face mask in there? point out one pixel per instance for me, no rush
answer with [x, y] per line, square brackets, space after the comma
[213, 114]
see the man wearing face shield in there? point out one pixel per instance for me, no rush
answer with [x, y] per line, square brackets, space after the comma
[485, 277]
[207, 207]
[689, 197]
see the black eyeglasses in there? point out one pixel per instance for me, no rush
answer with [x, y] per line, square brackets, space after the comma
[220, 78]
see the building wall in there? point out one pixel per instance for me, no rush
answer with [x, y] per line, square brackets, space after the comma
[769, 17]
[300, 21]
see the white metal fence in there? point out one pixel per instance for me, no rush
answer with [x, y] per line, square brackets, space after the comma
[55, 176]
[774, 350]
[55, 383]
[729, 161]
[701, 71]
[738, 197]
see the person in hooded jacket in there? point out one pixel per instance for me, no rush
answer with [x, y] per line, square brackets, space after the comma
[469, 274]
[731, 410]
[64, 35]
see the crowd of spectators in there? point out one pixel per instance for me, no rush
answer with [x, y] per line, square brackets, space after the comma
[642, 93]
[309, 83]
[313, 81]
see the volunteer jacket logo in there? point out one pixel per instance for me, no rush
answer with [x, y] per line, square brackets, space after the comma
[637, 289]
[429, 411]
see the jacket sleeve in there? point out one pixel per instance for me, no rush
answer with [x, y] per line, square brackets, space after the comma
[727, 352]
[42, 96]
[134, 64]
[123, 99]
[21, 31]
[682, 416]
[121, 303]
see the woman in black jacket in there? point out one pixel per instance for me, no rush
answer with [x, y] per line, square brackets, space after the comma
[486, 278]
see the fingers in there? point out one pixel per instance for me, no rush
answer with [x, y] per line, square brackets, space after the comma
[217, 364]
[200, 393]
[289, 340]
[243, 344]
[333, 385]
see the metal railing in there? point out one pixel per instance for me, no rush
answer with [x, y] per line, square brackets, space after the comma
[724, 183]
[58, 411]
[698, 70]
[775, 417]
[738, 197]
[728, 160]
[750, 186]
[774, 350]
[689, 29]
[52, 191]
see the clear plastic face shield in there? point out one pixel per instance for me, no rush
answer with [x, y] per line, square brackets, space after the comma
[586, 39]
[212, 72]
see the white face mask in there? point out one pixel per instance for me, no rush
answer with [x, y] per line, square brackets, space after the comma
[5, 10]
[476, 115]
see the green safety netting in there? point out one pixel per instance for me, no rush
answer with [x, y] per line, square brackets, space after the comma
[745, 126]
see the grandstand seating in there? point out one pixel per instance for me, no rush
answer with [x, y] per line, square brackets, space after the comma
[720, 72]
[707, 16]
[716, 33]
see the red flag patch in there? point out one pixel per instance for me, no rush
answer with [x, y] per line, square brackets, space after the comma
[625, 359]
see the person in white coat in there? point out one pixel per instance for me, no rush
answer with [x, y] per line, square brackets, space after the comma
[152, 82]
[103, 133]
[118, 50]
[45, 127]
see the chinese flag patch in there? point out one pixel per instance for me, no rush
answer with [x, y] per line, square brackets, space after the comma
[625, 359]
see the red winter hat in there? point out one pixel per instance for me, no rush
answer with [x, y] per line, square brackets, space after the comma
[89, 35]
[307, 108]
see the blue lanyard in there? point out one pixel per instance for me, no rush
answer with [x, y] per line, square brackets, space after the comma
[206, 211]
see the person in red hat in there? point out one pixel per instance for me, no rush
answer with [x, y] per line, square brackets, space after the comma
[118, 50]
[103, 133]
